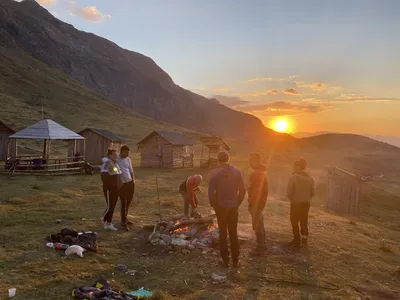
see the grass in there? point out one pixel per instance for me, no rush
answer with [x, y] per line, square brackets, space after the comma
[341, 252]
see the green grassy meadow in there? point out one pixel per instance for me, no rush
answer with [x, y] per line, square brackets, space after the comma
[347, 253]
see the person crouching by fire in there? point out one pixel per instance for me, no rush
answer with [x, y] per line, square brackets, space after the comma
[188, 189]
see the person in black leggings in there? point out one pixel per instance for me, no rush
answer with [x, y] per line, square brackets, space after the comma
[112, 189]
[104, 177]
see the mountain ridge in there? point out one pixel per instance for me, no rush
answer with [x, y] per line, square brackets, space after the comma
[125, 77]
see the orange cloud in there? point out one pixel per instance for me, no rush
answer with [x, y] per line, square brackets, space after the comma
[349, 98]
[256, 94]
[46, 2]
[315, 86]
[220, 89]
[291, 92]
[284, 108]
[88, 13]
[260, 79]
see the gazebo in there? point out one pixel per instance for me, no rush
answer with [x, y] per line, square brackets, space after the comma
[42, 163]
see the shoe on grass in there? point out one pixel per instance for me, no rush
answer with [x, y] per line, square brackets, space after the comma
[110, 227]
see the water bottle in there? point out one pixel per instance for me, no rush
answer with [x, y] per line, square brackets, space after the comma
[57, 246]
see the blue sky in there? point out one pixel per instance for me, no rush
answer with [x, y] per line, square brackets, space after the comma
[323, 65]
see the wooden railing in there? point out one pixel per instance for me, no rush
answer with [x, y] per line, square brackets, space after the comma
[29, 165]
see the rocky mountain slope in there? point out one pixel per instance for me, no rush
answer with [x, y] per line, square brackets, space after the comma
[124, 77]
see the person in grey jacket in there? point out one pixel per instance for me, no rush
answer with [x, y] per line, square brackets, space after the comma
[300, 190]
[226, 192]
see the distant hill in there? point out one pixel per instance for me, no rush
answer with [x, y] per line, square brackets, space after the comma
[392, 140]
[124, 77]
[337, 141]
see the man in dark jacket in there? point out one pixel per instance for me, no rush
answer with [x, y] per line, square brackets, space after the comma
[257, 197]
[300, 190]
[226, 192]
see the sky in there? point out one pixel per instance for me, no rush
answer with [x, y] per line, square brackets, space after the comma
[329, 65]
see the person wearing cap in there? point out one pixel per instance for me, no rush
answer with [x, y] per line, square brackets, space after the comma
[300, 191]
[257, 197]
[113, 183]
[188, 190]
[226, 192]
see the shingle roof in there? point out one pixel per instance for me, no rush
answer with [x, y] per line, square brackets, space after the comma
[46, 130]
[106, 134]
[175, 138]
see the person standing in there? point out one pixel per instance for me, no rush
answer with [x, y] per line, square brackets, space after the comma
[257, 198]
[226, 192]
[300, 190]
[188, 190]
[112, 184]
[104, 176]
[127, 184]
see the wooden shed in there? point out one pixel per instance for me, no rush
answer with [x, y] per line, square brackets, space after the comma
[98, 141]
[344, 192]
[213, 146]
[166, 149]
[5, 132]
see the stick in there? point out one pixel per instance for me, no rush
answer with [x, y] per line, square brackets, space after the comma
[158, 197]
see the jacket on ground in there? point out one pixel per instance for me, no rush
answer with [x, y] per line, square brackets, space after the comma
[258, 187]
[301, 188]
[226, 187]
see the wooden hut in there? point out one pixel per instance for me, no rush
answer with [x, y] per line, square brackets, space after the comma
[344, 192]
[213, 146]
[166, 149]
[43, 163]
[98, 141]
[5, 132]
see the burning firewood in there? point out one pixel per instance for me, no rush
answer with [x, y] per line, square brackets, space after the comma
[186, 223]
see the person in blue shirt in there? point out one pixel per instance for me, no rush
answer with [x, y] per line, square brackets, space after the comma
[226, 192]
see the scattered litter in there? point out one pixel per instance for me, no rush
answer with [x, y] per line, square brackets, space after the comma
[217, 277]
[12, 292]
[87, 240]
[121, 268]
[141, 293]
[57, 246]
[131, 272]
[101, 290]
[75, 249]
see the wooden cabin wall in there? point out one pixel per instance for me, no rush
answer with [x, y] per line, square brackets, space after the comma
[182, 157]
[151, 152]
[4, 134]
[344, 192]
[96, 147]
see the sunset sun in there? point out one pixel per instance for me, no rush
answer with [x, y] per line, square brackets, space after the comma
[281, 125]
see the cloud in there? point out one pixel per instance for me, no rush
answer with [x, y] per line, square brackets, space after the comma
[289, 78]
[260, 79]
[291, 92]
[285, 108]
[264, 93]
[315, 86]
[46, 2]
[347, 98]
[220, 89]
[230, 101]
[333, 89]
[88, 13]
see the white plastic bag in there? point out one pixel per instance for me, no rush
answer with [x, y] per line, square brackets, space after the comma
[75, 249]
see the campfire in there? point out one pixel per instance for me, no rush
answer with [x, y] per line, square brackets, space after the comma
[199, 233]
